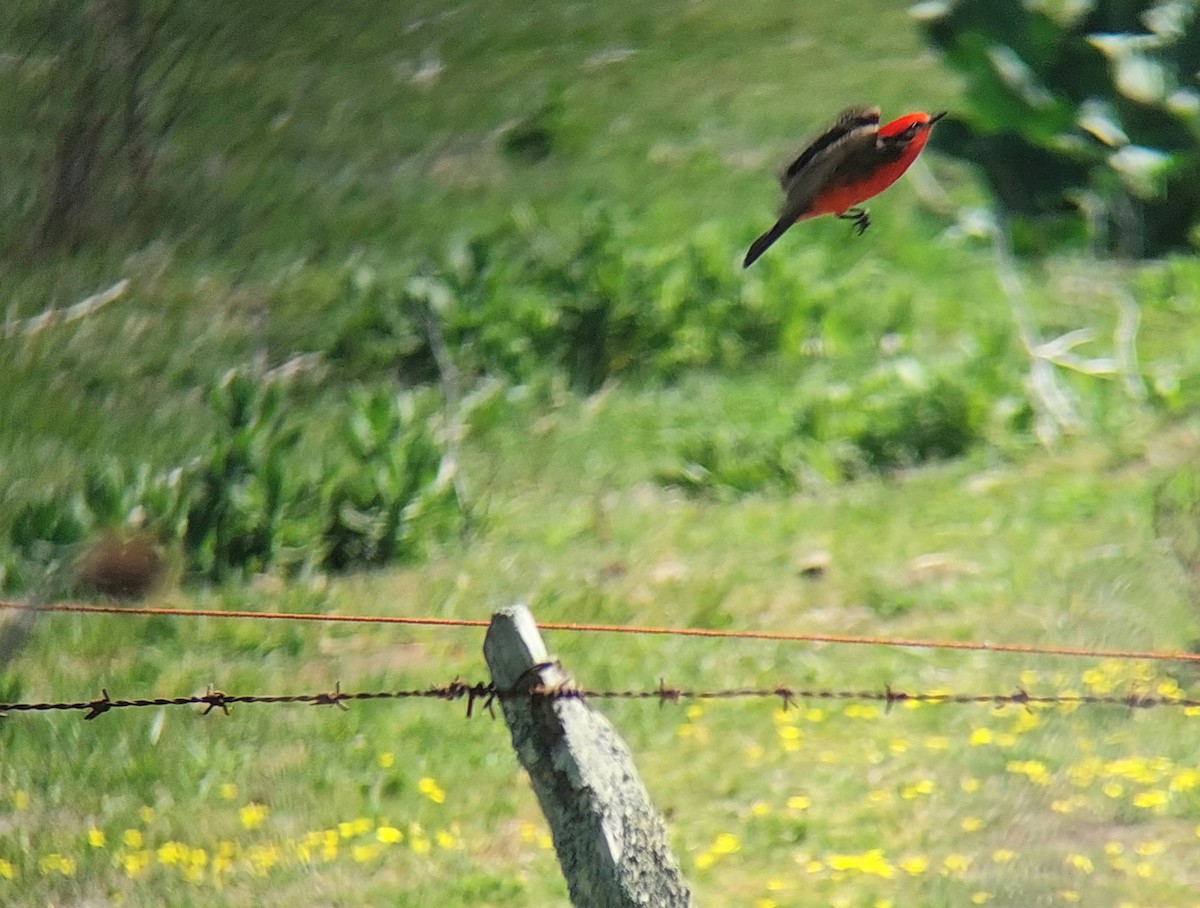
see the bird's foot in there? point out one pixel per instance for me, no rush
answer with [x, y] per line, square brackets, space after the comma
[861, 218]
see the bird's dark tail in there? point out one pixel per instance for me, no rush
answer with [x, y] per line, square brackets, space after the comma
[763, 243]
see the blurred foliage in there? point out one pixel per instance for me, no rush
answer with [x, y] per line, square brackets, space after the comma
[385, 490]
[895, 416]
[1176, 513]
[269, 492]
[516, 301]
[1087, 106]
[104, 81]
[536, 135]
[237, 496]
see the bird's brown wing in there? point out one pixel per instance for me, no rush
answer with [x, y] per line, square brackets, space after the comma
[850, 119]
[848, 154]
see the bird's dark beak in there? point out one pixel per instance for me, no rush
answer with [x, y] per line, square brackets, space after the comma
[935, 118]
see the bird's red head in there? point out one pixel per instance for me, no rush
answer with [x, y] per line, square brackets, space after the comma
[913, 124]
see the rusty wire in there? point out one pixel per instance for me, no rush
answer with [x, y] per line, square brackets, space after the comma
[487, 694]
[782, 636]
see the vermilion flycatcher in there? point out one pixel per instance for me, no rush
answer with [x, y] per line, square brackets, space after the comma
[847, 164]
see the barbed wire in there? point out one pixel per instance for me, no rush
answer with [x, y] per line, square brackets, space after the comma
[487, 695]
[781, 636]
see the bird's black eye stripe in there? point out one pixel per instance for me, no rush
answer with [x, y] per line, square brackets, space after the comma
[908, 135]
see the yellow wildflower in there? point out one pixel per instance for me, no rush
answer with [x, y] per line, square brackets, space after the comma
[56, 863]
[1080, 862]
[955, 863]
[389, 835]
[429, 787]
[727, 843]
[1155, 799]
[253, 815]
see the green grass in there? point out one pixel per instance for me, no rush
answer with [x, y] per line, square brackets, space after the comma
[330, 159]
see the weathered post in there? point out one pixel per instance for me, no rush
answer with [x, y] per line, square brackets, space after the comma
[610, 841]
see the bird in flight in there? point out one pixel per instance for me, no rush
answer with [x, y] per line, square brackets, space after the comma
[853, 160]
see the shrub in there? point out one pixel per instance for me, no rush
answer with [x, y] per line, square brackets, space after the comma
[266, 493]
[899, 415]
[1083, 107]
[388, 491]
[517, 304]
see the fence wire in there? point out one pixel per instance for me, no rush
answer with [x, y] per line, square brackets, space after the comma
[986, 646]
[487, 695]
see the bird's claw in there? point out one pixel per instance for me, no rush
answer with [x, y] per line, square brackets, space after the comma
[860, 217]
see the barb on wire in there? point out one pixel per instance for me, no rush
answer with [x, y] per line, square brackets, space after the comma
[213, 699]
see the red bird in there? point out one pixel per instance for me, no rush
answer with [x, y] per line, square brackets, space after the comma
[847, 164]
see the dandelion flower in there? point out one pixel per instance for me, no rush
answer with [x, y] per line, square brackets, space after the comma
[429, 787]
[253, 815]
[1080, 862]
[727, 843]
[389, 835]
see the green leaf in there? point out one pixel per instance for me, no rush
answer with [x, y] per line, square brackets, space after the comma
[1144, 171]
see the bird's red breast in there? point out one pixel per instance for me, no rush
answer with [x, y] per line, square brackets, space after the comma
[855, 188]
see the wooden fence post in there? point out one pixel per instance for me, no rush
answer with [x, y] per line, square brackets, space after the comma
[610, 841]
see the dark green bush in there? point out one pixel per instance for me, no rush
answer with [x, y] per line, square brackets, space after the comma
[1088, 108]
[387, 494]
[517, 303]
[898, 415]
[267, 492]
[734, 462]
[236, 489]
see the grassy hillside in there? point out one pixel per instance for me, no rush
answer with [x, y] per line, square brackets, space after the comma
[330, 154]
